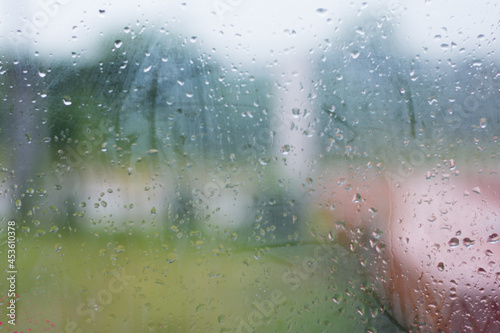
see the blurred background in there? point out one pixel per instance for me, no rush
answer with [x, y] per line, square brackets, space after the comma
[163, 159]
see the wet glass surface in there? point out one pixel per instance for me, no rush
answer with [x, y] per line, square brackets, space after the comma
[235, 166]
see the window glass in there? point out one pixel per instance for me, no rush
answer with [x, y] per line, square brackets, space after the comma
[246, 166]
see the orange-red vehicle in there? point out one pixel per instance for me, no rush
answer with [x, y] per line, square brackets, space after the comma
[434, 236]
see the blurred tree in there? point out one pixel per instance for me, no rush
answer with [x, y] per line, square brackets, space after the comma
[382, 104]
[157, 106]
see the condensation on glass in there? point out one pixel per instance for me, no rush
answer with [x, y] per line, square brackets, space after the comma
[245, 166]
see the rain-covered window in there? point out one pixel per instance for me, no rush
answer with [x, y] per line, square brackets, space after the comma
[249, 166]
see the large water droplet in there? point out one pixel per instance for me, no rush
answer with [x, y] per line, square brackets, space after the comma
[493, 238]
[171, 257]
[152, 151]
[468, 242]
[431, 100]
[308, 133]
[360, 31]
[452, 164]
[454, 242]
[322, 12]
[264, 160]
[67, 100]
[285, 149]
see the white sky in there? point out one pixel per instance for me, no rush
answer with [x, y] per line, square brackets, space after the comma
[246, 29]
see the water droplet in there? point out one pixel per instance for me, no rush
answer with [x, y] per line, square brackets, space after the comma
[171, 257]
[468, 242]
[440, 267]
[152, 152]
[493, 238]
[322, 12]
[42, 74]
[355, 54]
[477, 63]
[483, 122]
[360, 31]
[476, 190]
[18, 204]
[102, 13]
[452, 164]
[120, 248]
[431, 100]
[118, 43]
[379, 247]
[432, 218]
[193, 39]
[356, 198]
[264, 160]
[454, 242]
[296, 112]
[147, 69]
[67, 100]
[308, 133]
[285, 149]
[221, 319]
[331, 109]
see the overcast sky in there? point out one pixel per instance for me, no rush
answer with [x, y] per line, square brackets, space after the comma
[241, 30]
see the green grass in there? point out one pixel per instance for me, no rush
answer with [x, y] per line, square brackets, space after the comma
[77, 282]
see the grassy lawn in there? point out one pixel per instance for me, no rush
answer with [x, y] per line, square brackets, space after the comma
[76, 282]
